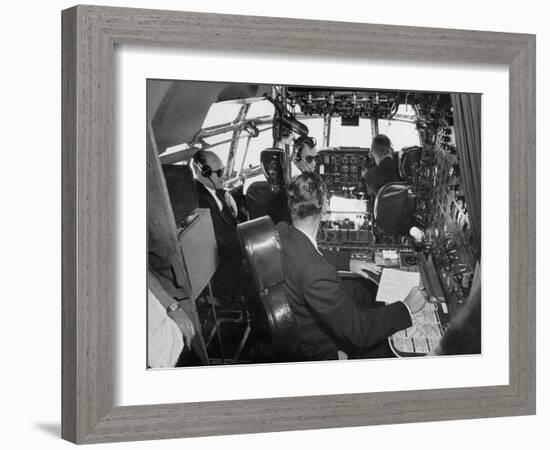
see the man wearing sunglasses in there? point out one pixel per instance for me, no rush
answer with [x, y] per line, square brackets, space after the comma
[209, 172]
[305, 153]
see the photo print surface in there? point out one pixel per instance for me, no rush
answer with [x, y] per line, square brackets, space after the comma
[309, 223]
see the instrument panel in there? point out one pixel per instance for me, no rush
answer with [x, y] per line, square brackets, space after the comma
[342, 168]
[442, 212]
[428, 324]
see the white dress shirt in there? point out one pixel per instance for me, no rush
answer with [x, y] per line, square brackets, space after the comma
[228, 199]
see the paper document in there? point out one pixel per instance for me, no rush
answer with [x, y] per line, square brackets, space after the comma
[396, 284]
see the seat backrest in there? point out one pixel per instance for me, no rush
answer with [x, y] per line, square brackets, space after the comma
[274, 164]
[269, 197]
[394, 209]
[182, 191]
[409, 163]
[257, 198]
[262, 250]
[261, 201]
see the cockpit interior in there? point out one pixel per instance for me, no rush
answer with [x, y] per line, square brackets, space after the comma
[220, 160]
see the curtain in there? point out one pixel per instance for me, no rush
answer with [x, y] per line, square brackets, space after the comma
[467, 127]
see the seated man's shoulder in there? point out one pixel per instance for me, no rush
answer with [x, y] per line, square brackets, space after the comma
[389, 163]
[296, 246]
[200, 189]
[370, 179]
[289, 238]
[370, 174]
[284, 231]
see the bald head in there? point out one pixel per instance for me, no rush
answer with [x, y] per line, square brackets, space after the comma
[209, 169]
[206, 157]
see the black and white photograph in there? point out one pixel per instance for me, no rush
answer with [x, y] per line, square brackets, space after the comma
[291, 223]
[260, 225]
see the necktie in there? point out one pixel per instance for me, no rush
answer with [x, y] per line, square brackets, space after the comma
[220, 193]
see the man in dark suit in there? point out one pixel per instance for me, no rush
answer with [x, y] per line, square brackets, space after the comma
[385, 170]
[328, 319]
[209, 170]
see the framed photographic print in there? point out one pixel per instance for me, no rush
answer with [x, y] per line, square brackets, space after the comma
[306, 224]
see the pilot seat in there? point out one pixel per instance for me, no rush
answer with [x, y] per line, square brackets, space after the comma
[394, 210]
[409, 163]
[262, 251]
[269, 197]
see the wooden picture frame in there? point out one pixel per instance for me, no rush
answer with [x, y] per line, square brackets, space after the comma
[90, 34]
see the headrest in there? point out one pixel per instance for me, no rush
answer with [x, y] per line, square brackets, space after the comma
[391, 191]
[262, 251]
[409, 161]
[273, 162]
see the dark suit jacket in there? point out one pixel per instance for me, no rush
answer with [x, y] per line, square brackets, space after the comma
[327, 318]
[229, 250]
[383, 173]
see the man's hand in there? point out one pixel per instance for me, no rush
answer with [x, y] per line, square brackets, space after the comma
[363, 268]
[415, 300]
[185, 325]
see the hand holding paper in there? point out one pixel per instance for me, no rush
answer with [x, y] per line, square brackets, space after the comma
[401, 286]
[415, 300]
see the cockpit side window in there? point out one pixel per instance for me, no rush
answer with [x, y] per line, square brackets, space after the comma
[248, 150]
[249, 159]
[221, 113]
[221, 144]
[260, 109]
[401, 129]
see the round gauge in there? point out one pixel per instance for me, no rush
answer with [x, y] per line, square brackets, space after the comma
[345, 159]
[328, 181]
[353, 169]
[345, 169]
[353, 159]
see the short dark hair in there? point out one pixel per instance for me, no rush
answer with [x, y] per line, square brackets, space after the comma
[381, 146]
[306, 195]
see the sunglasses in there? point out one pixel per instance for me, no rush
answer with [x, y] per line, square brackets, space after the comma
[309, 159]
